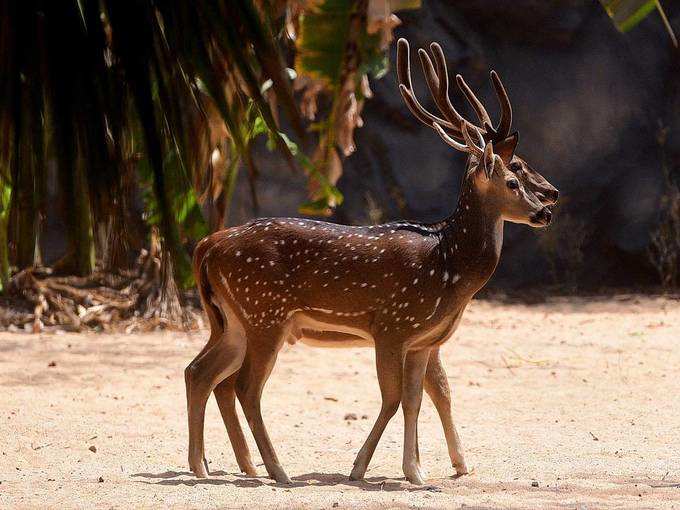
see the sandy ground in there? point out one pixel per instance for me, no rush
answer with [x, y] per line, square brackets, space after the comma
[571, 404]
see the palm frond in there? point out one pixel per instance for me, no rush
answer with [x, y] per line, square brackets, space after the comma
[163, 100]
[627, 14]
[340, 43]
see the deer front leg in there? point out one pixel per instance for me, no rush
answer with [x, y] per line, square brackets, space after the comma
[437, 387]
[250, 383]
[225, 394]
[389, 363]
[411, 398]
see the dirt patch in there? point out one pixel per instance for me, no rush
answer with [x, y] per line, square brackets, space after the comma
[569, 404]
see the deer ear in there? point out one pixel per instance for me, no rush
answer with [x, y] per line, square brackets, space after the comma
[488, 160]
[506, 147]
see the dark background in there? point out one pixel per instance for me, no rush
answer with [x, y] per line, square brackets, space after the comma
[591, 105]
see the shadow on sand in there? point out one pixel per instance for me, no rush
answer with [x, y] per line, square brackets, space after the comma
[377, 483]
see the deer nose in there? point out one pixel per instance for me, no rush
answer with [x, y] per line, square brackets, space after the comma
[553, 195]
[547, 215]
[542, 217]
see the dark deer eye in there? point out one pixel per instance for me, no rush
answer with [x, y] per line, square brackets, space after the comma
[513, 184]
[515, 167]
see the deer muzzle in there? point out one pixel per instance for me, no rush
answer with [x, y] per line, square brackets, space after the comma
[542, 217]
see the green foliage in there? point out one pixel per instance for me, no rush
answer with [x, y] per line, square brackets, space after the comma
[627, 14]
[128, 98]
[330, 196]
[185, 209]
[340, 43]
[323, 39]
[5, 197]
[92, 73]
[326, 35]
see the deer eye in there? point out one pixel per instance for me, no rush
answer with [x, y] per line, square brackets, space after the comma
[515, 167]
[513, 183]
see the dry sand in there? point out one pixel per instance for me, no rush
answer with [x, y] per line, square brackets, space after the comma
[579, 398]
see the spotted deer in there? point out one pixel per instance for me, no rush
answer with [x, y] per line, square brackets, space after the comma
[400, 287]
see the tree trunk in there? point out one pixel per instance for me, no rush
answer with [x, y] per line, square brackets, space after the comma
[5, 194]
[79, 258]
[25, 211]
[24, 200]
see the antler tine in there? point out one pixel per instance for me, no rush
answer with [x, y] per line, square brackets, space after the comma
[505, 123]
[481, 112]
[431, 77]
[414, 106]
[503, 129]
[473, 148]
[406, 88]
[442, 95]
[450, 141]
[469, 146]
[438, 84]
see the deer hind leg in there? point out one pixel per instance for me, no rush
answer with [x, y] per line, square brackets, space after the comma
[225, 394]
[437, 387]
[417, 449]
[216, 332]
[415, 366]
[389, 365]
[204, 373]
[251, 381]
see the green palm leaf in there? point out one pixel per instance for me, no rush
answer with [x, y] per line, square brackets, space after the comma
[627, 14]
[337, 48]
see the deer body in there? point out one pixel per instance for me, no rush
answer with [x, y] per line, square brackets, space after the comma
[399, 287]
[406, 279]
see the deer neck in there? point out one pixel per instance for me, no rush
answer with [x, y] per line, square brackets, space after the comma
[471, 240]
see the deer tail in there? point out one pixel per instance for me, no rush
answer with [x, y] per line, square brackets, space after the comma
[205, 291]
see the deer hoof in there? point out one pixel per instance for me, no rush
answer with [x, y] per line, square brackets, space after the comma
[249, 470]
[357, 473]
[278, 474]
[200, 470]
[415, 479]
[462, 470]
[414, 475]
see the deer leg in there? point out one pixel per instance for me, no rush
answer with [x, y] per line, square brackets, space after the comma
[417, 449]
[389, 365]
[437, 387]
[215, 335]
[420, 469]
[187, 383]
[415, 366]
[215, 364]
[251, 381]
[225, 395]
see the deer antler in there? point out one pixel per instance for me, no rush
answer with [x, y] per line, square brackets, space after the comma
[406, 89]
[436, 76]
[491, 134]
[438, 83]
[469, 146]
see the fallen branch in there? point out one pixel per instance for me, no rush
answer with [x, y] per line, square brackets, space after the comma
[140, 299]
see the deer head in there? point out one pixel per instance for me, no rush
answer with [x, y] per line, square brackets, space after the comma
[501, 191]
[451, 126]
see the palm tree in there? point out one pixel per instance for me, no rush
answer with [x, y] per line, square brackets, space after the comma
[160, 100]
